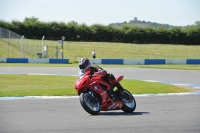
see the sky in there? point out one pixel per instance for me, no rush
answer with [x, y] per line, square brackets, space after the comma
[172, 12]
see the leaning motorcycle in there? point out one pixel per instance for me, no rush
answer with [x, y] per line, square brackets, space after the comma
[97, 95]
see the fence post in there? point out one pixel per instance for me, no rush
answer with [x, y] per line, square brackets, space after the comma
[57, 52]
[0, 32]
[9, 36]
[22, 47]
[62, 40]
[43, 46]
[47, 55]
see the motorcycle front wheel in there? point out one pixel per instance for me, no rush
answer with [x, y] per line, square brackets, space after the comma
[90, 103]
[129, 102]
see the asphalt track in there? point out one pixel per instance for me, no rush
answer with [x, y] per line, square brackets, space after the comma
[153, 114]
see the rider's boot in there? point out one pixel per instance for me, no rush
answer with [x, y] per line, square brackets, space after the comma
[120, 91]
[117, 84]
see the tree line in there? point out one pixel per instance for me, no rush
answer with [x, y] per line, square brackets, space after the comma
[33, 28]
[143, 24]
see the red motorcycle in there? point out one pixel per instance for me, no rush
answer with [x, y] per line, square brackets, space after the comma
[97, 95]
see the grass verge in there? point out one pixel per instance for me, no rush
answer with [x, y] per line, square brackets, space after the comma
[76, 50]
[170, 66]
[49, 85]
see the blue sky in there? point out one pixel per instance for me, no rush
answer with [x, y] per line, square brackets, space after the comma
[173, 12]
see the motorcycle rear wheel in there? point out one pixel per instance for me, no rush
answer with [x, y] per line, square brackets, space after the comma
[129, 103]
[90, 103]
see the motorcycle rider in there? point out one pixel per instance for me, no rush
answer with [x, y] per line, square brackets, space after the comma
[85, 66]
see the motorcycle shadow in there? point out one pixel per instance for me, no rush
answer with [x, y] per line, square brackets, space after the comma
[122, 113]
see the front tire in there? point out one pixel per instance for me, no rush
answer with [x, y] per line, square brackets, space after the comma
[129, 103]
[90, 103]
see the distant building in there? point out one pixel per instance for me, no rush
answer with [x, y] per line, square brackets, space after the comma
[135, 18]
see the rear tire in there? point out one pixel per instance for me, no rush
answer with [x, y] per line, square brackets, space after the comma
[129, 103]
[90, 103]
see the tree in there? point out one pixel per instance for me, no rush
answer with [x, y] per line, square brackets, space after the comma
[72, 30]
[31, 20]
[17, 27]
[176, 35]
[192, 34]
[101, 33]
[5, 24]
[197, 23]
[162, 35]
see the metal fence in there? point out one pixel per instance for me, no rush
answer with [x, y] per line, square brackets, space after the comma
[13, 45]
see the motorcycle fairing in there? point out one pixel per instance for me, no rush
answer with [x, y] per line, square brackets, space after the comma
[94, 83]
[119, 78]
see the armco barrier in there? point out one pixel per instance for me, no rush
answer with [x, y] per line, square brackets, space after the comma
[17, 60]
[133, 61]
[59, 61]
[2, 60]
[193, 61]
[154, 61]
[104, 61]
[175, 61]
[38, 60]
[144, 61]
[112, 61]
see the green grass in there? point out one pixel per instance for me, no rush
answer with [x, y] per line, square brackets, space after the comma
[36, 85]
[48, 85]
[75, 50]
[178, 67]
[170, 66]
[9, 50]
